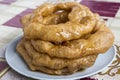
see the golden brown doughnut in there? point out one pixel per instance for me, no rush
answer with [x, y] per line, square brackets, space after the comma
[38, 61]
[57, 63]
[80, 22]
[99, 42]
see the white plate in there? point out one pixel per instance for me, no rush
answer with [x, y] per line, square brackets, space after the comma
[17, 63]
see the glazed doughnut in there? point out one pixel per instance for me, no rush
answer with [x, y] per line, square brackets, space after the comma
[99, 42]
[54, 64]
[57, 63]
[80, 21]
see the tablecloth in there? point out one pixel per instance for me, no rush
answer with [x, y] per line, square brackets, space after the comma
[10, 27]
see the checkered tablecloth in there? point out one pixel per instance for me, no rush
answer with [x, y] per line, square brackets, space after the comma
[10, 27]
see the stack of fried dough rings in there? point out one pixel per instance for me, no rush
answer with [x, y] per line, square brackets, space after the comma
[63, 38]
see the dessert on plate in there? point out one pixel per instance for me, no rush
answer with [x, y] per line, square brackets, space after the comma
[63, 38]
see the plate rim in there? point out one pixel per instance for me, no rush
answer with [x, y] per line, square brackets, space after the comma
[35, 77]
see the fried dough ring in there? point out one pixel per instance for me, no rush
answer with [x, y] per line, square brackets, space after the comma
[99, 42]
[57, 64]
[80, 21]
[41, 59]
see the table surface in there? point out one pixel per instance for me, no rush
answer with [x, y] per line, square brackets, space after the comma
[10, 27]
